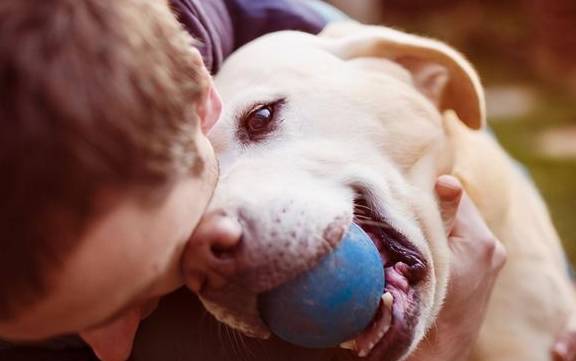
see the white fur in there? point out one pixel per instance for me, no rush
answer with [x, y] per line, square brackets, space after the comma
[354, 118]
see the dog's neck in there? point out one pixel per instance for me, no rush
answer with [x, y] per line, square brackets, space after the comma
[503, 194]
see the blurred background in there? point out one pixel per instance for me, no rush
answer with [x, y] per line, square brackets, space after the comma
[525, 52]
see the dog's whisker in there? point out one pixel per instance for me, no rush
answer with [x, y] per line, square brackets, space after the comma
[371, 222]
[241, 346]
[233, 342]
[359, 220]
[248, 352]
[361, 206]
[221, 333]
[362, 211]
[213, 328]
[226, 337]
[218, 332]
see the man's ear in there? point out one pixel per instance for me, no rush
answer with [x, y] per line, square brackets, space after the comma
[438, 71]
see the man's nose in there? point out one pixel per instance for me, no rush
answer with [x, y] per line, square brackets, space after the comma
[210, 259]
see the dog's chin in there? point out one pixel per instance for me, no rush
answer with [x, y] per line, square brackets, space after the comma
[393, 329]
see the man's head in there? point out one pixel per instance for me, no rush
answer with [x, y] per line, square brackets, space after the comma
[105, 167]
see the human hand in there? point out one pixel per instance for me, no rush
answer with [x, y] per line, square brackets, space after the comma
[476, 259]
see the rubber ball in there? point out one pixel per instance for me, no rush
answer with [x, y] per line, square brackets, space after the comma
[334, 301]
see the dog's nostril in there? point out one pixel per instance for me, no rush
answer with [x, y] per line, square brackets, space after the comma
[220, 253]
[225, 251]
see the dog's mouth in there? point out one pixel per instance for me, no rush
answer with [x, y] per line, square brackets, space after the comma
[391, 332]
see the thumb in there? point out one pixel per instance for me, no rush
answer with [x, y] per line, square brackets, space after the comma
[449, 191]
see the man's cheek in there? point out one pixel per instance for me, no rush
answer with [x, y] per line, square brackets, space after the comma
[149, 307]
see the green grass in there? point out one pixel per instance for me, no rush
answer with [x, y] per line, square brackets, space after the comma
[555, 178]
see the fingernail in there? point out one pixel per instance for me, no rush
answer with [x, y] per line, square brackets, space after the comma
[448, 187]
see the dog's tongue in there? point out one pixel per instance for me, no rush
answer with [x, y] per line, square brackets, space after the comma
[113, 342]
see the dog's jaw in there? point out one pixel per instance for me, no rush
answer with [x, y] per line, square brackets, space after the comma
[279, 242]
[408, 281]
[393, 329]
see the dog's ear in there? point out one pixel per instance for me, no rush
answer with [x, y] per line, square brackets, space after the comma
[439, 72]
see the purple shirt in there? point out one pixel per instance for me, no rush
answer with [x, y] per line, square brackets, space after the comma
[222, 26]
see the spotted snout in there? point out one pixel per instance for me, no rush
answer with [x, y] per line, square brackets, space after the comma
[239, 252]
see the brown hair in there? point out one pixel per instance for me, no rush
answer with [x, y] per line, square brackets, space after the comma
[93, 94]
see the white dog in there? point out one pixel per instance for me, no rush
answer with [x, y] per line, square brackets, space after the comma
[360, 121]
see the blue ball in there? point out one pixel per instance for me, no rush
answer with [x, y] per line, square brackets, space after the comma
[334, 301]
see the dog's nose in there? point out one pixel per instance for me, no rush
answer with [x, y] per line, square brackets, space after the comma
[210, 258]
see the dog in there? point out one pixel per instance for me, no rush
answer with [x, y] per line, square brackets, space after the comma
[361, 120]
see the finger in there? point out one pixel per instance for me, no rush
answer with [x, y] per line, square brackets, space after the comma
[499, 257]
[471, 235]
[449, 192]
[469, 222]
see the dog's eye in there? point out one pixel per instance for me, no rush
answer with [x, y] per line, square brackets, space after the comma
[260, 121]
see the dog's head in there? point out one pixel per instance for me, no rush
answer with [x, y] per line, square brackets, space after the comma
[321, 131]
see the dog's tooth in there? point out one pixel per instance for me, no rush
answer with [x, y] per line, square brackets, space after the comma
[387, 322]
[366, 351]
[387, 299]
[363, 353]
[386, 328]
[349, 345]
